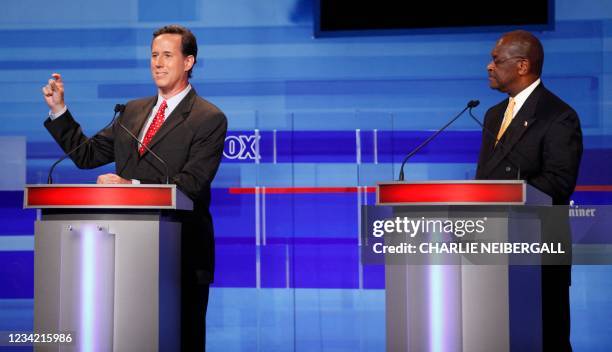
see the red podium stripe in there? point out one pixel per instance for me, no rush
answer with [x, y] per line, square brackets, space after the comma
[594, 188]
[102, 196]
[298, 190]
[450, 193]
[368, 189]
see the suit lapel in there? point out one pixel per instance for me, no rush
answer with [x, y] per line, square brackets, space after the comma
[134, 123]
[524, 119]
[497, 116]
[137, 123]
[177, 117]
[521, 122]
[492, 122]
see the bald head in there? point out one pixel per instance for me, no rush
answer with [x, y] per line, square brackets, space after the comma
[516, 62]
[524, 44]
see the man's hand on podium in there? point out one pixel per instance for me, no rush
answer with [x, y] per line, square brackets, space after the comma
[112, 179]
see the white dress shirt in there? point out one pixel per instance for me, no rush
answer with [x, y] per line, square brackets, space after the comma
[521, 97]
[172, 103]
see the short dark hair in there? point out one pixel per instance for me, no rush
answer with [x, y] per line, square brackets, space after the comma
[529, 46]
[189, 45]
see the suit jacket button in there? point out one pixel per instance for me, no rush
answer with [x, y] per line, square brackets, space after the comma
[508, 168]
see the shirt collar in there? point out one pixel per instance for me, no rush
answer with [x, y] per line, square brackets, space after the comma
[521, 97]
[174, 101]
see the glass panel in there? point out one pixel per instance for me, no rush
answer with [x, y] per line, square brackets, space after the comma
[252, 299]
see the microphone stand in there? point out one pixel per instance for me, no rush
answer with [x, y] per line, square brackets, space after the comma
[471, 104]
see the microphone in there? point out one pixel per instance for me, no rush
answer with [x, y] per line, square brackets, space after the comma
[491, 134]
[470, 105]
[121, 108]
[50, 175]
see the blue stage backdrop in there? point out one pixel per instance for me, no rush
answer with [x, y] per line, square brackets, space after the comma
[314, 124]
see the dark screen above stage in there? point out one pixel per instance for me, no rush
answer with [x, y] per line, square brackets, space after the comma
[380, 16]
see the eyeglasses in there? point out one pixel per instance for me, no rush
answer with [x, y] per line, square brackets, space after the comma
[498, 62]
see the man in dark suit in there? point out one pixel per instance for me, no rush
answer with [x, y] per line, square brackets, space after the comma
[184, 130]
[538, 139]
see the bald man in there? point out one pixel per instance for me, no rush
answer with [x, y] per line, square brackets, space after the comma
[537, 139]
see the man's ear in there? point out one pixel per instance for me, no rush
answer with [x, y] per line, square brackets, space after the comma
[524, 67]
[188, 62]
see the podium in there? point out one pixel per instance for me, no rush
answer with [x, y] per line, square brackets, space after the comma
[464, 307]
[107, 265]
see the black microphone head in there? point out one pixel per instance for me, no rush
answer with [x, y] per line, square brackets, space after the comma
[473, 103]
[119, 107]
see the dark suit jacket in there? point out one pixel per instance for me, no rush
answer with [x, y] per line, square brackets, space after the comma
[544, 140]
[190, 141]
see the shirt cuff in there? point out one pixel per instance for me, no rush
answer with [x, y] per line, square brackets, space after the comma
[135, 182]
[53, 116]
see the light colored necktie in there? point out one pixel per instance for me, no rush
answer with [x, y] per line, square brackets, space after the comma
[158, 120]
[508, 116]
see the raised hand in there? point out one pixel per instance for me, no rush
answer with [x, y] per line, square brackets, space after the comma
[53, 93]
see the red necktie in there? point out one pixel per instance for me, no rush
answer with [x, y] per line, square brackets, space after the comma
[158, 120]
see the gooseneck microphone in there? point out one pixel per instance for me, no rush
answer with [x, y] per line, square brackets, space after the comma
[121, 108]
[86, 141]
[470, 105]
[498, 142]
